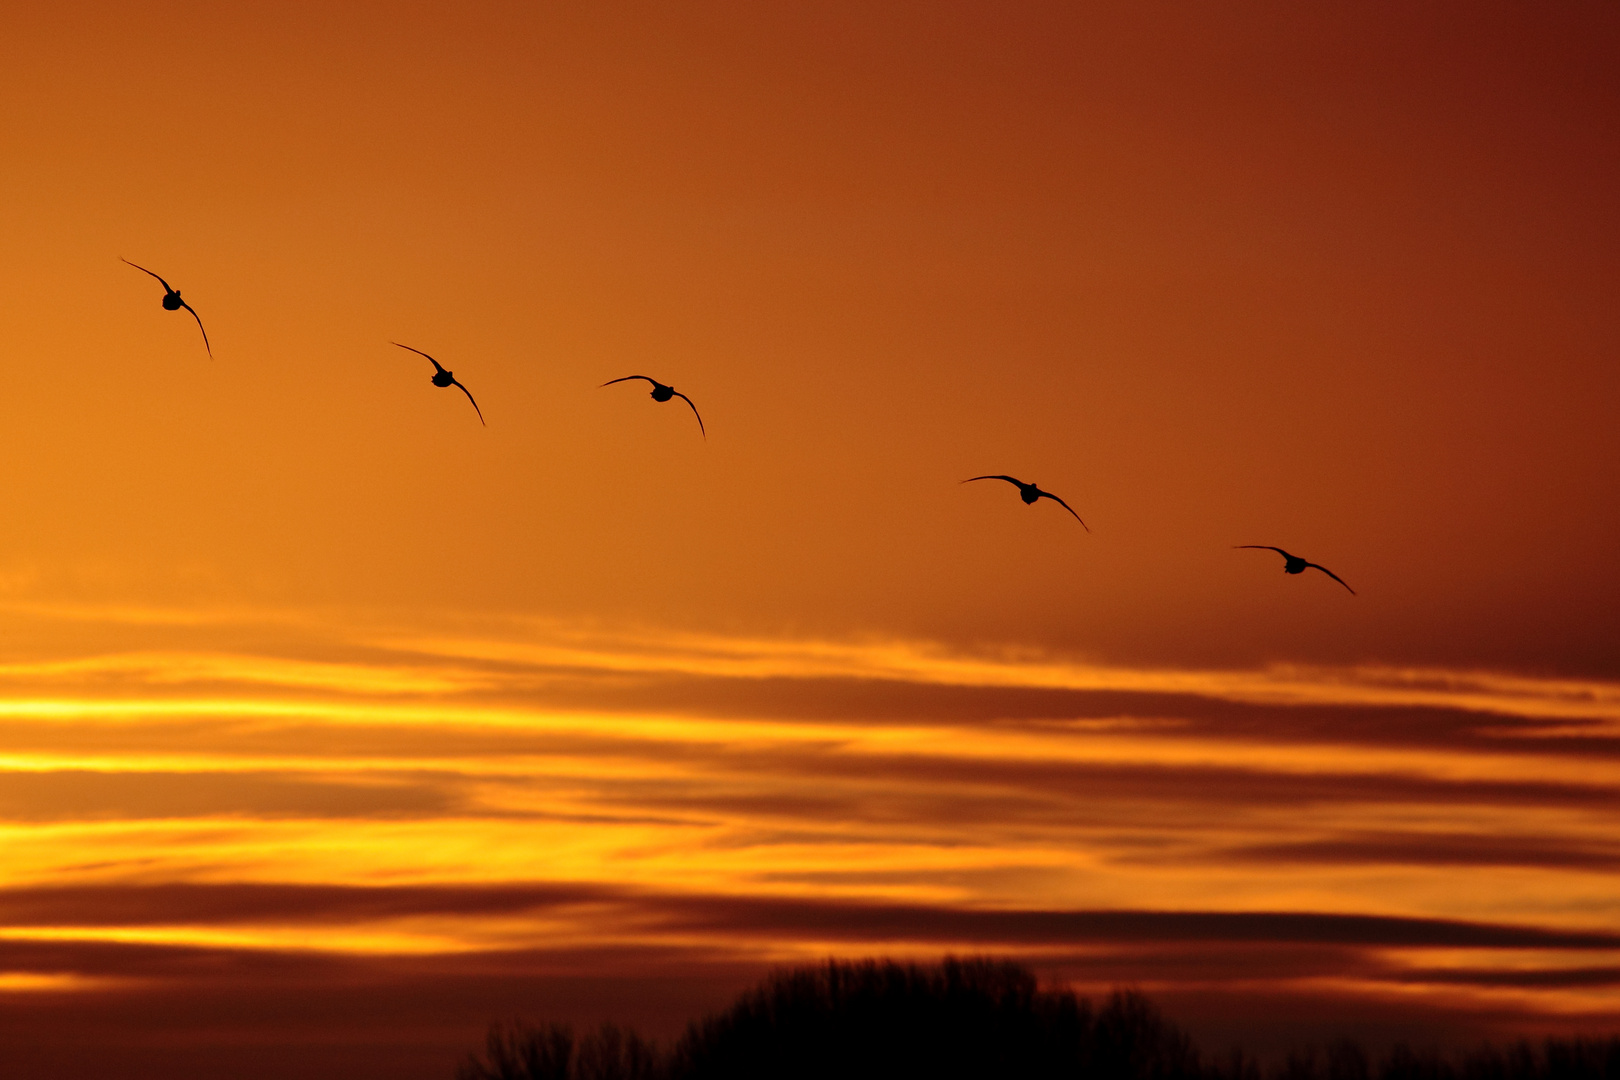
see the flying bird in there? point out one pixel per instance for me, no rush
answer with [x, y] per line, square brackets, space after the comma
[1293, 564]
[441, 377]
[660, 392]
[172, 302]
[1030, 493]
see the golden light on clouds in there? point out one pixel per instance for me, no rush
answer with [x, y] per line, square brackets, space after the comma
[390, 775]
[335, 724]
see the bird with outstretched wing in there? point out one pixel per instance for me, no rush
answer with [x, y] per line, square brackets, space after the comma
[1293, 564]
[443, 377]
[1030, 494]
[663, 392]
[172, 302]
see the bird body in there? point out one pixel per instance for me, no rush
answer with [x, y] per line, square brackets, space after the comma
[443, 377]
[173, 302]
[1030, 493]
[664, 392]
[1293, 564]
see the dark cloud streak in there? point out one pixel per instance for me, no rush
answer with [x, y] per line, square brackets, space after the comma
[740, 917]
[1435, 849]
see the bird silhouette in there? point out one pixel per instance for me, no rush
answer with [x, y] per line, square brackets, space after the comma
[1293, 564]
[661, 392]
[1030, 493]
[172, 302]
[441, 377]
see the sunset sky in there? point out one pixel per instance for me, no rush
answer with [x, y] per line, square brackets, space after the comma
[334, 725]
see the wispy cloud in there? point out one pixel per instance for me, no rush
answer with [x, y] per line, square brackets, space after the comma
[552, 646]
[556, 648]
[419, 804]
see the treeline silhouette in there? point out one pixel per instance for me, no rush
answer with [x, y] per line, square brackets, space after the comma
[970, 1019]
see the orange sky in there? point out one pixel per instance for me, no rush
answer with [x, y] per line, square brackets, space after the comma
[1341, 281]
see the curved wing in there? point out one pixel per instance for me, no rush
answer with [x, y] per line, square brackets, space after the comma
[688, 400]
[1264, 547]
[436, 365]
[1009, 480]
[476, 409]
[144, 270]
[194, 315]
[650, 379]
[1066, 506]
[1332, 575]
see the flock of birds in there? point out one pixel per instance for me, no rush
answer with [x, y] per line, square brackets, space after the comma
[444, 378]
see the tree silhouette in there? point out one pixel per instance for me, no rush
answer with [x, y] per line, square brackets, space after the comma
[1555, 1059]
[516, 1052]
[972, 1018]
[978, 1019]
[853, 1020]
